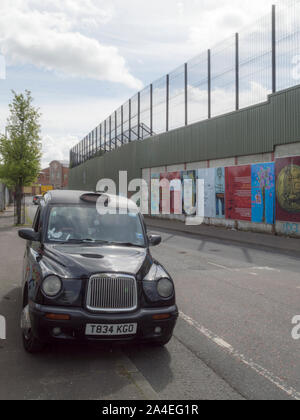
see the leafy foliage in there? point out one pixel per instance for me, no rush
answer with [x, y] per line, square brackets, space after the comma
[20, 148]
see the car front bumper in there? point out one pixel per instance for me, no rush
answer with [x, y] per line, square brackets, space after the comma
[74, 329]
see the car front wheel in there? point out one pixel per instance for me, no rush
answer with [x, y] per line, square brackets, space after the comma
[30, 342]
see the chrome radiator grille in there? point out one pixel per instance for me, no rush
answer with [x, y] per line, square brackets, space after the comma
[109, 293]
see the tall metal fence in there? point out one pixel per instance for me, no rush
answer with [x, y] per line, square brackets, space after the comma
[239, 72]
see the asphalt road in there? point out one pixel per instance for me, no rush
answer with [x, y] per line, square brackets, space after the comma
[233, 339]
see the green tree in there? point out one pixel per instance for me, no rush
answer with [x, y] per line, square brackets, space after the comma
[20, 148]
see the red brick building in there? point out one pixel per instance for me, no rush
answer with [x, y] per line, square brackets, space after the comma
[44, 177]
[59, 174]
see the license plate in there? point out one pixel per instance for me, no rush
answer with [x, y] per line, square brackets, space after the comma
[111, 330]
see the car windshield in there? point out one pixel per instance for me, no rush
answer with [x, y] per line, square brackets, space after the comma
[83, 224]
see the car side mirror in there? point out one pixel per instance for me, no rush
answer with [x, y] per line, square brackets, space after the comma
[154, 240]
[30, 235]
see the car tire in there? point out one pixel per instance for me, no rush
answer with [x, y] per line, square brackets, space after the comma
[30, 342]
[32, 345]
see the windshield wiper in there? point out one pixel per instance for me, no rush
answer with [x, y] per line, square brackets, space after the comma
[129, 244]
[84, 241]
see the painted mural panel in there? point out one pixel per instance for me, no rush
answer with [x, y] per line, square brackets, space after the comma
[220, 192]
[208, 175]
[288, 189]
[238, 193]
[171, 193]
[155, 194]
[188, 179]
[263, 193]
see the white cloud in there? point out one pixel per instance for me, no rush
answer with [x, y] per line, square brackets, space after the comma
[46, 39]
[65, 124]
[95, 39]
[52, 152]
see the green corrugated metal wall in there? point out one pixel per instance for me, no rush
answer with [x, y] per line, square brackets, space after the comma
[250, 131]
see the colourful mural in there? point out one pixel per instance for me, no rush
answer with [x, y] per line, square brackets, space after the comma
[238, 193]
[155, 194]
[288, 189]
[248, 193]
[171, 193]
[208, 175]
[263, 193]
[220, 192]
[189, 192]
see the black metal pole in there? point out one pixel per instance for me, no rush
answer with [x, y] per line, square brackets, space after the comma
[96, 145]
[186, 94]
[116, 129]
[151, 109]
[209, 82]
[110, 148]
[139, 116]
[122, 124]
[237, 72]
[100, 136]
[129, 121]
[167, 101]
[273, 48]
[93, 143]
[105, 136]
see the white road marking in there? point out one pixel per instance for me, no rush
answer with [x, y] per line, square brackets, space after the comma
[275, 380]
[246, 268]
[219, 266]
[266, 269]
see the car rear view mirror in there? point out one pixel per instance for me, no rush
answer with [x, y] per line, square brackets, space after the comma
[154, 240]
[30, 235]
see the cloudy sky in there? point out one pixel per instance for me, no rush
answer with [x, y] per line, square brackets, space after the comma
[83, 58]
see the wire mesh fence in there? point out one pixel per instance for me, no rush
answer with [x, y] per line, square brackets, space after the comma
[237, 73]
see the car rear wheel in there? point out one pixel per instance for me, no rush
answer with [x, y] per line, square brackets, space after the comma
[30, 342]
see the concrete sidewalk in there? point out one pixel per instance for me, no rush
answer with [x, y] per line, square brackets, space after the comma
[219, 233]
[7, 218]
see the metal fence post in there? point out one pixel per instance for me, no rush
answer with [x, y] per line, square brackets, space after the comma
[116, 129]
[186, 94]
[93, 143]
[104, 136]
[122, 124]
[139, 116]
[209, 82]
[151, 109]
[129, 121]
[110, 148]
[273, 48]
[237, 72]
[167, 101]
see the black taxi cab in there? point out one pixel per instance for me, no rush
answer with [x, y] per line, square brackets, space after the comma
[90, 276]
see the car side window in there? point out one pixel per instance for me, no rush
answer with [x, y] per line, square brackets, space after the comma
[36, 222]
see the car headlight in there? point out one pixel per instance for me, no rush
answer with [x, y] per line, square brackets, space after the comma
[51, 286]
[165, 288]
